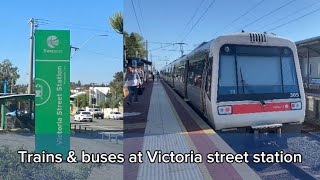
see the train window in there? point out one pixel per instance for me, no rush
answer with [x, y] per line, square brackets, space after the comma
[256, 73]
[195, 73]
[181, 74]
[227, 78]
[268, 70]
[289, 75]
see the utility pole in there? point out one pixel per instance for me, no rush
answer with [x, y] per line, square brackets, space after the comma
[91, 95]
[30, 87]
[124, 53]
[181, 48]
[151, 63]
[31, 22]
[147, 58]
[78, 102]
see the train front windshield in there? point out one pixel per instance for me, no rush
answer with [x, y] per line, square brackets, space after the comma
[256, 73]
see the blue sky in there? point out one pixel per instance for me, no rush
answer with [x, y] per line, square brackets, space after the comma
[165, 21]
[99, 58]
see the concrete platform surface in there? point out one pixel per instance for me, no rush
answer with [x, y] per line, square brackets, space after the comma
[171, 125]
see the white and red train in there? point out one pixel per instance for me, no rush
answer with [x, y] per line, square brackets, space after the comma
[247, 82]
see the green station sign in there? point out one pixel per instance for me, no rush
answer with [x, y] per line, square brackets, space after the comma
[52, 90]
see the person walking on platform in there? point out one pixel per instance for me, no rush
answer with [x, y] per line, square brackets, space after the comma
[158, 75]
[132, 81]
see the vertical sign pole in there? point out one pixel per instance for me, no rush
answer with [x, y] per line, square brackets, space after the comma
[52, 91]
[31, 22]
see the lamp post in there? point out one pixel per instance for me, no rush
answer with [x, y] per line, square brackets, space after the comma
[85, 42]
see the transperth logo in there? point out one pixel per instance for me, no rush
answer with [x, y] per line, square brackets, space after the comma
[52, 41]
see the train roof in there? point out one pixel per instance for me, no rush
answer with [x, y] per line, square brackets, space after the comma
[204, 46]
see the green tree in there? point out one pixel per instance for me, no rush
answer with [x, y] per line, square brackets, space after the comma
[73, 85]
[117, 22]
[106, 104]
[135, 44]
[83, 100]
[20, 88]
[116, 85]
[114, 103]
[8, 73]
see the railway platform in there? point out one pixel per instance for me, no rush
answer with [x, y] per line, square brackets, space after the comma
[166, 123]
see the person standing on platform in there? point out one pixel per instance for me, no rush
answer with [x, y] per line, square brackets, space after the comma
[132, 81]
[141, 74]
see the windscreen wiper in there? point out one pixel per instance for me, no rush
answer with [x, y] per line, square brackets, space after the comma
[245, 85]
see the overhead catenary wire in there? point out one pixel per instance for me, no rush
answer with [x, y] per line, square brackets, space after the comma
[102, 54]
[271, 12]
[291, 14]
[242, 15]
[140, 9]
[51, 23]
[141, 15]
[77, 28]
[161, 47]
[69, 24]
[294, 20]
[194, 25]
[154, 42]
[135, 13]
[192, 17]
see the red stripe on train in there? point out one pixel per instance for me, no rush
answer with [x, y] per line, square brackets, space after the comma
[256, 108]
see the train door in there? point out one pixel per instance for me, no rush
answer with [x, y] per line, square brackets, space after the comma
[206, 87]
[173, 75]
[185, 83]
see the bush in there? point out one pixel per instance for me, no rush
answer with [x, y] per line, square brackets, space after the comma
[12, 168]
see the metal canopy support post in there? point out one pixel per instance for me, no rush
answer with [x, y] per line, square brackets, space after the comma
[308, 68]
[3, 117]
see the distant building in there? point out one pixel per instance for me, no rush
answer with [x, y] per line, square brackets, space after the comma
[74, 96]
[77, 90]
[98, 94]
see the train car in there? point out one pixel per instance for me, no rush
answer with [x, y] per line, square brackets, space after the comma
[244, 82]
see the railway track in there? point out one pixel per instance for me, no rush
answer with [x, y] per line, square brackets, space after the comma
[299, 171]
[285, 171]
[291, 170]
[311, 130]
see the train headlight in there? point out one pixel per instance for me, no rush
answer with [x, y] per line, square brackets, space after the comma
[296, 106]
[224, 110]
